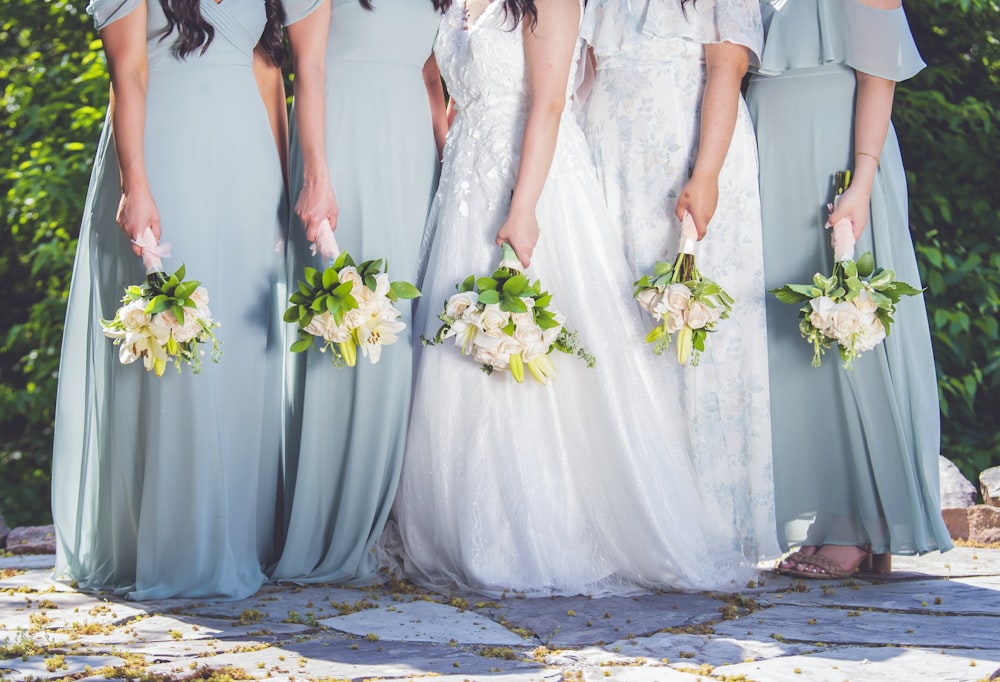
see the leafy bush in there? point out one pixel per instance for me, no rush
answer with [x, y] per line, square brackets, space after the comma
[53, 104]
[947, 120]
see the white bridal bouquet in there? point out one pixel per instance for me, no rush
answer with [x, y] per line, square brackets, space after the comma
[346, 305]
[682, 301]
[163, 319]
[851, 308]
[504, 321]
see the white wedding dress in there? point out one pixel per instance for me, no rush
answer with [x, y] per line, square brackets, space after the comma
[578, 487]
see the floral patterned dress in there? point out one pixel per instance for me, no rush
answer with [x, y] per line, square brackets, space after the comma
[643, 121]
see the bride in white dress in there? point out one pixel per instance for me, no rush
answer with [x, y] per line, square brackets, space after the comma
[580, 486]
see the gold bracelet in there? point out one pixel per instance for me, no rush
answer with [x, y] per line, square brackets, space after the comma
[877, 162]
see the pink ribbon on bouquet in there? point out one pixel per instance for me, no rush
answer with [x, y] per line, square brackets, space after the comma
[689, 234]
[842, 239]
[842, 236]
[152, 251]
[325, 244]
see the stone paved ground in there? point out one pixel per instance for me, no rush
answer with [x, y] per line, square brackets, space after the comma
[936, 618]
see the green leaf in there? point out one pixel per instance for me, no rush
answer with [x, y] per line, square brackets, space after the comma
[489, 296]
[185, 289]
[313, 277]
[515, 285]
[292, 314]
[341, 260]
[302, 345]
[512, 304]
[178, 311]
[486, 284]
[866, 264]
[468, 284]
[404, 290]
[342, 290]
[158, 305]
[330, 278]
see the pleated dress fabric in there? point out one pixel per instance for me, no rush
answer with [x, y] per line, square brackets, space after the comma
[345, 428]
[855, 452]
[643, 122]
[165, 487]
[579, 486]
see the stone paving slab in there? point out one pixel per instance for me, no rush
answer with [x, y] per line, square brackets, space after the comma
[969, 596]
[423, 621]
[45, 668]
[955, 563]
[861, 664]
[292, 602]
[186, 628]
[711, 649]
[846, 626]
[576, 621]
[355, 659]
[27, 561]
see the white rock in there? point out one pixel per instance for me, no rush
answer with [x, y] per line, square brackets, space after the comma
[989, 485]
[956, 490]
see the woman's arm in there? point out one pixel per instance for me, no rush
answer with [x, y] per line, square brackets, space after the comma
[125, 46]
[872, 113]
[435, 93]
[726, 64]
[271, 84]
[316, 201]
[549, 50]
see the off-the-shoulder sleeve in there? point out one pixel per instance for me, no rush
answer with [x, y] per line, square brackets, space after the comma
[807, 33]
[297, 10]
[607, 22]
[108, 11]
[709, 21]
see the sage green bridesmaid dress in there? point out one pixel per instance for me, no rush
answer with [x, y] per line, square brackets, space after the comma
[165, 487]
[345, 428]
[855, 452]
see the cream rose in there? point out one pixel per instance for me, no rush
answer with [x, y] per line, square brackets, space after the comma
[864, 303]
[821, 308]
[677, 296]
[133, 316]
[845, 322]
[647, 298]
[494, 318]
[697, 315]
[458, 303]
[528, 334]
[872, 334]
[675, 321]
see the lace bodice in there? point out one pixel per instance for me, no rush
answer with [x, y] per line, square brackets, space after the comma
[483, 63]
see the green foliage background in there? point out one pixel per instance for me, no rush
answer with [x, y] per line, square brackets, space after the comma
[52, 107]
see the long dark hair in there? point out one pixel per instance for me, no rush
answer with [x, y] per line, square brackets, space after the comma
[193, 31]
[521, 10]
[195, 34]
[439, 5]
[272, 40]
